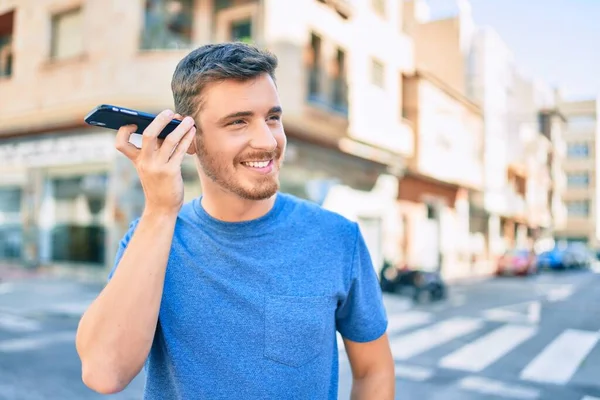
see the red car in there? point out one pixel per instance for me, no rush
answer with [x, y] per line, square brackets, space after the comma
[517, 262]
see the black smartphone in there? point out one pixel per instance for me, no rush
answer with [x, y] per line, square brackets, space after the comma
[113, 117]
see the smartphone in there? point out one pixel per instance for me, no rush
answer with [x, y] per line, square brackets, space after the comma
[113, 117]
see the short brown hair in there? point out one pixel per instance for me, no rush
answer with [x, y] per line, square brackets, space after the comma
[215, 63]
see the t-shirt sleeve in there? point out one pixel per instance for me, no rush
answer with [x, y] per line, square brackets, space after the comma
[122, 246]
[361, 317]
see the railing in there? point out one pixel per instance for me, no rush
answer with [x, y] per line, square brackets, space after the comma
[327, 93]
[6, 56]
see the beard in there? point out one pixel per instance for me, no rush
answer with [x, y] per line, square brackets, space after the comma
[227, 176]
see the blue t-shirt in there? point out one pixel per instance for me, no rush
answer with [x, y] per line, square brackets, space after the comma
[250, 309]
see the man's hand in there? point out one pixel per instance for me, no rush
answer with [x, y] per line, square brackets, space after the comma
[159, 164]
[372, 367]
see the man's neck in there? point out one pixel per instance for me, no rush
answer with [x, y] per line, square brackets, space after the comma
[229, 207]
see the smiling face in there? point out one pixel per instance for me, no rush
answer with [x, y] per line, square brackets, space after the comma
[241, 144]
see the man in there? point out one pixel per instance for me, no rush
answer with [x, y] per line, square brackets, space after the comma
[237, 294]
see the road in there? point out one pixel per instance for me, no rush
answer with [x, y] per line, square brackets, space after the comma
[512, 338]
[506, 338]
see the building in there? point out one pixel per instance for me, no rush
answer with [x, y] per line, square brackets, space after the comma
[581, 166]
[440, 230]
[66, 196]
[538, 152]
[522, 198]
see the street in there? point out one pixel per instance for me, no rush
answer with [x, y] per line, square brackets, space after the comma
[507, 338]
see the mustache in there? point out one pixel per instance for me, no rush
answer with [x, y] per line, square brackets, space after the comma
[260, 156]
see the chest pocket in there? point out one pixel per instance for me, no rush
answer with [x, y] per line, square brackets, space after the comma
[297, 329]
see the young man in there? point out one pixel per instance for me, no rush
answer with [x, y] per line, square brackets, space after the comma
[237, 294]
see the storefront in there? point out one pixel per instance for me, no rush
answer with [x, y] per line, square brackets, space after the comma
[437, 234]
[359, 189]
[67, 198]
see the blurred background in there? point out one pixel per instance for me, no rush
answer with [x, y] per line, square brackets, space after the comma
[461, 136]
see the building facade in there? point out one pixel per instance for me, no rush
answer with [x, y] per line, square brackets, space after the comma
[66, 196]
[581, 166]
[440, 229]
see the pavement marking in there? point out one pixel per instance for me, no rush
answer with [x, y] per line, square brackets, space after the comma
[483, 352]
[560, 359]
[528, 312]
[411, 319]
[397, 323]
[497, 388]
[560, 293]
[409, 345]
[34, 343]
[6, 287]
[413, 372]
[15, 323]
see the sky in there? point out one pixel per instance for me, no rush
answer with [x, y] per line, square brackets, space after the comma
[555, 40]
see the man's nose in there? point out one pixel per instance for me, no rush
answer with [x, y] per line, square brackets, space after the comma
[263, 138]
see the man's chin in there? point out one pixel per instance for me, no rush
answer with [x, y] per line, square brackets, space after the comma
[258, 192]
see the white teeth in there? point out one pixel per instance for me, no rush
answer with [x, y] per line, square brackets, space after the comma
[257, 164]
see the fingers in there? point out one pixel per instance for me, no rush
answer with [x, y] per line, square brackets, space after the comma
[173, 140]
[122, 142]
[182, 147]
[150, 135]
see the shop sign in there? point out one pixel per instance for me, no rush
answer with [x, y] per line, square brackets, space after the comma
[58, 150]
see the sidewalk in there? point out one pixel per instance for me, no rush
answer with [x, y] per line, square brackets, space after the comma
[11, 272]
[40, 295]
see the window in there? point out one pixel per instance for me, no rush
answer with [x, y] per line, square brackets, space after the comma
[578, 150]
[6, 33]
[578, 208]
[79, 209]
[377, 73]
[379, 7]
[67, 34]
[241, 31]
[578, 179]
[314, 65]
[167, 24]
[340, 86]
[582, 123]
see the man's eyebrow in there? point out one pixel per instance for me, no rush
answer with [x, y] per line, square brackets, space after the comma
[237, 114]
[240, 114]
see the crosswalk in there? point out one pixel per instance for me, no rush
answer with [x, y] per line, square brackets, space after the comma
[474, 345]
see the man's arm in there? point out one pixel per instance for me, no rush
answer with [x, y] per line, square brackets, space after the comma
[116, 332]
[372, 367]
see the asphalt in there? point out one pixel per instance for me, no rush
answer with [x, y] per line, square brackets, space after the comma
[39, 316]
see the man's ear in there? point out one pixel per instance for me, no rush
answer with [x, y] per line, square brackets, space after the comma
[192, 149]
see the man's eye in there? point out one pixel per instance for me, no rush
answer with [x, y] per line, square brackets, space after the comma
[237, 122]
[275, 117]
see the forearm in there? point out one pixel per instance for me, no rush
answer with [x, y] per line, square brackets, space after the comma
[116, 332]
[376, 385]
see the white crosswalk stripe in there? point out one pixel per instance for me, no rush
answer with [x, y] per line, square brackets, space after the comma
[556, 363]
[560, 359]
[409, 345]
[15, 323]
[481, 353]
[498, 388]
[407, 320]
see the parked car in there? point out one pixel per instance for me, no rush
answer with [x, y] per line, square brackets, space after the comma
[557, 258]
[420, 285]
[517, 262]
[566, 257]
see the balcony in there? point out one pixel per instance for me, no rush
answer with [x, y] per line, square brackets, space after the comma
[330, 94]
[344, 8]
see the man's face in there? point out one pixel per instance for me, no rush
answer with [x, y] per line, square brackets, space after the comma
[242, 142]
